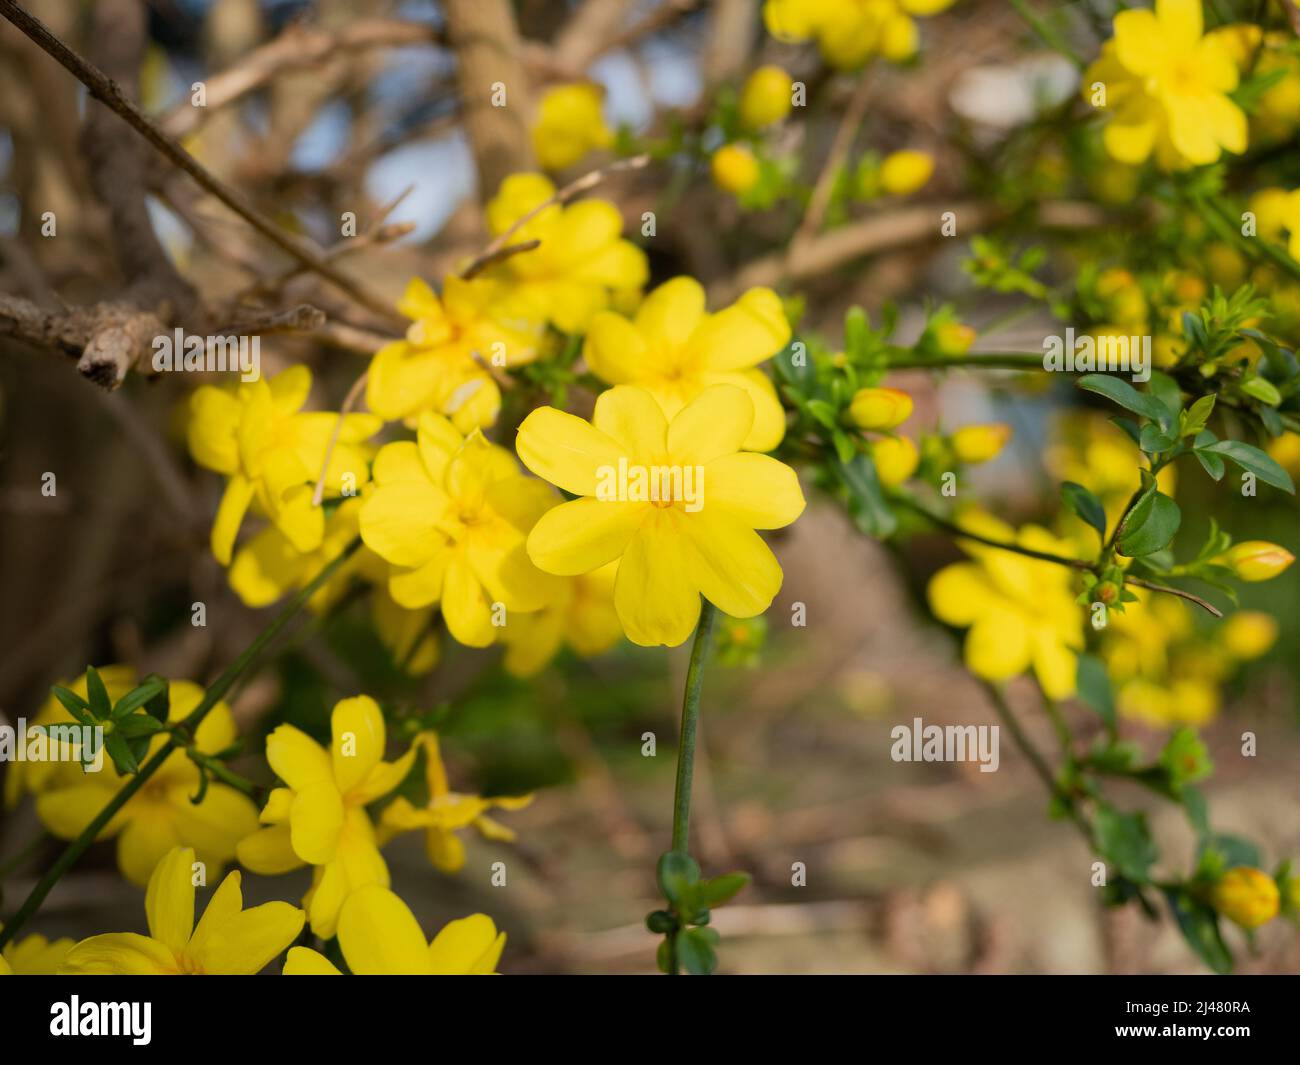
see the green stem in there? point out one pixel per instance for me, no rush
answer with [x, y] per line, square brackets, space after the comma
[957, 530]
[690, 726]
[211, 697]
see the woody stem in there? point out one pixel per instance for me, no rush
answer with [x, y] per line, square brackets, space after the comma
[211, 697]
[690, 725]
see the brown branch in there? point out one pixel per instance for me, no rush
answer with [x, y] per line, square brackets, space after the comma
[821, 194]
[1204, 604]
[107, 92]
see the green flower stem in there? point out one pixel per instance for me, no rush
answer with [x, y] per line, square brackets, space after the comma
[211, 697]
[690, 725]
[957, 530]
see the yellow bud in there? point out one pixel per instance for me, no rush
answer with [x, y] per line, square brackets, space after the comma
[1246, 896]
[896, 460]
[880, 408]
[1255, 560]
[765, 99]
[954, 338]
[1249, 634]
[979, 443]
[904, 172]
[734, 168]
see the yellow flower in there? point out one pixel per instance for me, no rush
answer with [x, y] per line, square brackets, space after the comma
[228, 940]
[1290, 220]
[273, 452]
[675, 350]
[880, 408]
[1246, 896]
[1168, 87]
[1020, 612]
[766, 97]
[379, 936]
[1285, 451]
[734, 168]
[980, 443]
[320, 817]
[849, 32]
[442, 365]
[954, 338]
[160, 815]
[688, 534]
[35, 956]
[896, 459]
[1255, 560]
[451, 515]
[446, 813]
[581, 265]
[903, 173]
[582, 616]
[1248, 634]
[569, 125]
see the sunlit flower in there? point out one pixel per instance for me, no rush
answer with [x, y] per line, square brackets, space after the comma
[849, 32]
[272, 452]
[319, 818]
[569, 125]
[442, 365]
[379, 936]
[268, 566]
[451, 515]
[681, 544]
[35, 955]
[228, 940]
[160, 815]
[674, 349]
[580, 265]
[446, 813]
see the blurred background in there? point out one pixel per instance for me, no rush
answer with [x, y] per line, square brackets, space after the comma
[317, 109]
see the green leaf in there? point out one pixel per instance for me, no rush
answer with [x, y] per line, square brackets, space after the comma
[100, 706]
[1199, 925]
[695, 951]
[866, 502]
[73, 704]
[823, 412]
[1150, 525]
[160, 705]
[1211, 464]
[1154, 440]
[1165, 389]
[1124, 841]
[120, 752]
[1252, 460]
[1193, 420]
[1129, 426]
[721, 888]
[1086, 505]
[1198, 811]
[136, 698]
[678, 873]
[1120, 391]
[138, 725]
[1263, 390]
[1185, 759]
[1094, 688]
[664, 957]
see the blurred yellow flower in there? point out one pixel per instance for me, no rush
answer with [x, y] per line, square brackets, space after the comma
[693, 536]
[451, 514]
[1020, 613]
[1247, 897]
[569, 125]
[904, 172]
[228, 940]
[35, 955]
[734, 168]
[675, 350]
[896, 459]
[766, 97]
[973, 444]
[319, 818]
[1248, 634]
[849, 32]
[446, 813]
[379, 936]
[581, 617]
[880, 408]
[581, 265]
[273, 452]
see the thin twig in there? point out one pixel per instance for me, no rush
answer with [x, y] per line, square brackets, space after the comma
[1204, 604]
[821, 194]
[349, 401]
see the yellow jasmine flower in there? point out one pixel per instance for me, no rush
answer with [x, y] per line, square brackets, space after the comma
[569, 125]
[582, 616]
[319, 818]
[766, 97]
[160, 815]
[880, 408]
[35, 955]
[272, 452]
[896, 459]
[675, 350]
[379, 936]
[903, 173]
[734, 168]
[581, 265]
[228, 940]
[1168, 87]
[973, 444]
[849, 32]
[442, 365]
[451, 514]
[1020, 613]
[445, 813]
[1247, 897]
[694, 537]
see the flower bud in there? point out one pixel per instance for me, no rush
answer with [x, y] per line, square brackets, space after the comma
[904, 172]
[1246, 896]
[765, 98]
[954, 338]
[1255, 560]
[896, 460]
[734, 168]
[980, 443]
[880, 408]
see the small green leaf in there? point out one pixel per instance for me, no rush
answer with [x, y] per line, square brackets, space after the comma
[1185, 759]
[1193, 420]
[137, 697]
[866, 502]
[1120, 391]
[138, 725]
[1199, 925]
[1129, 426]
[678, 873]
[73, 704]
[1150, 526]
[721, 888]
[1211, 464]
[1154, 440]
[1124, 841]
[695, 950]
[120, 752]
[1263, 390]
[1252, 460]
[1086, 505]
[100, 706]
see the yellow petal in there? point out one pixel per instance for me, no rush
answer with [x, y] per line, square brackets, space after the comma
[1181, 21]
[751, 330]
[289, 389]
[445, 851]
[122, 954]
[1055, 665]
[399, 522]
[358, 730]
[297, 759]
[246, 942]
[465, 605]
[614, 350]
[303, 961]
[754, 490]
[383, 778]
[469, 946]
[566, 450]
[223, 907]
[230, 516]
[959, 593]
[265, 568]
[169, 899]
[769, 416]
[998, 646]
[268, 851]
[655, 600]
[631, 417]
[671, 313]
[731, 565]
[583, 535]
[380, 936]
[315, 821]
[713, 424]
[422, 586]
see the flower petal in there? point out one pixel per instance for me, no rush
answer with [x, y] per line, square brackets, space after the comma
[714, 423]
[751, 330]
[754, 490]
[470, 946]
[380, 936]
[731, 565]
[297, 759]
[357, 726]
[631, 417]
[315, 821]
[120, 954]
[653, 593]
[566, 450]
[583, 535]
[303, 961]
[169, 899]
